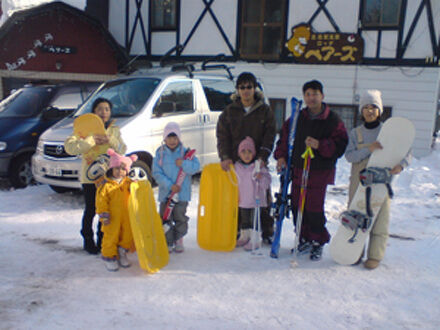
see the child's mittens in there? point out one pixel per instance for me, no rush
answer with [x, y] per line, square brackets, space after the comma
[104, 218]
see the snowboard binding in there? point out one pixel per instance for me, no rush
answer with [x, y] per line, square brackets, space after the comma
[98, 168]
[375, 175]
[355, 220]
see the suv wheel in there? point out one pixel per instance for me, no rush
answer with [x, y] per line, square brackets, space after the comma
[20, 174]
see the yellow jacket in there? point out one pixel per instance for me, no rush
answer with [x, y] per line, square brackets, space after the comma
[90, 151]
[112, 198]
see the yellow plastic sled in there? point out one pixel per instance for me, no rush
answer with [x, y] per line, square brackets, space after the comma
[146, 226]
[218, 209]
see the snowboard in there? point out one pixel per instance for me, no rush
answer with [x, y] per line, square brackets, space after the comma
[217, 217]
[88, 124]
[396, 137]
[146, 225]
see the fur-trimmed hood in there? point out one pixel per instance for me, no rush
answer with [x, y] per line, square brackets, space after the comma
[259, 99]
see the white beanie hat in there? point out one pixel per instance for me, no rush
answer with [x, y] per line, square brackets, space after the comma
[171, 127]
[371, 96]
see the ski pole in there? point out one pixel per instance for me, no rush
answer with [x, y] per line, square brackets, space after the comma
[307, 155]
[256, 219]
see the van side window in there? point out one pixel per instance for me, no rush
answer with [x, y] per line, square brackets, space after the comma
[218, 93]
[177, 98]
[67, 99]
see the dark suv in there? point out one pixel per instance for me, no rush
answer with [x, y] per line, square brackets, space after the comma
[25, 115]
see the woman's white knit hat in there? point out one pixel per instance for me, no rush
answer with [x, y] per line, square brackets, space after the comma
[371, 96]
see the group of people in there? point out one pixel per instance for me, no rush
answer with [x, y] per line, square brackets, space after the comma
[245, 140]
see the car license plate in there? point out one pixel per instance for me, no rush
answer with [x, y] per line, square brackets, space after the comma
[55, 171]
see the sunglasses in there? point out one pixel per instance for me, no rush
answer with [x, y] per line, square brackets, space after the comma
[245, 87]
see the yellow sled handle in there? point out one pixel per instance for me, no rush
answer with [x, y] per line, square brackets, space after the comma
[231, 179]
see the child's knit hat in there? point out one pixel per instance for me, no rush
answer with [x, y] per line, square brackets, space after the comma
[116, 160]
[171, 127]
[247, 144]
[371, 96]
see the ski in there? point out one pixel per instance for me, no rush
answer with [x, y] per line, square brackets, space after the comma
[281, 206]
[172, 197]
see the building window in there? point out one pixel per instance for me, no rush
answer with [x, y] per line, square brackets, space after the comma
[164, 14]
[263, 28]
[381, 13]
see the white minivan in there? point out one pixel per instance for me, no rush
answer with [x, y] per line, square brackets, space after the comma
[142, 105]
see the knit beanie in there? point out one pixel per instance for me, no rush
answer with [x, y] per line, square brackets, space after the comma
[116, 160]
[371, 96]
[247, 144]
[171, 127]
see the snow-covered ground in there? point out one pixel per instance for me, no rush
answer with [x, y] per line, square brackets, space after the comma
[48, 282]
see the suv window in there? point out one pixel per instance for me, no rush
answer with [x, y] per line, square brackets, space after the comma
[177, 97]
[127, 96]
[218, 93]
[67, 99]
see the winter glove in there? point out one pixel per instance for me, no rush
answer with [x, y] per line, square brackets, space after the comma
[104, 218]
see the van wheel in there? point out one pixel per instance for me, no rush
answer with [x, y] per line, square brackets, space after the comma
[20, 174]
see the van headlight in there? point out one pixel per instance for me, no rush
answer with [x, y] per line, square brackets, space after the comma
[3, 145]
[40, 147]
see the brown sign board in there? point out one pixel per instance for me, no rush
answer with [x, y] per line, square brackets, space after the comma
[309, 47]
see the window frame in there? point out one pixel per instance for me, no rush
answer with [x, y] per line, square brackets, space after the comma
[379, 25]
[167, 27]
[261, 25]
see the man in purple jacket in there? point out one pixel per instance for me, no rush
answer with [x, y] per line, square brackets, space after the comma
[321, 129]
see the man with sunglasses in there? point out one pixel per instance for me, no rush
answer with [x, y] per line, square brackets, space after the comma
[247, 115]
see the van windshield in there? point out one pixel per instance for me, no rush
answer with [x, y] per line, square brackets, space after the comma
[26, 102]
[128, 96]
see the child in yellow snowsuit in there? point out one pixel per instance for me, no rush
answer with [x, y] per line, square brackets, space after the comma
[112, 208]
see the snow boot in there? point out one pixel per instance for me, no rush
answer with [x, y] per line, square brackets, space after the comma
[111, 264]
[90, 246]
[316, 252]
[178, 248]
[254, 242]
[245, 236]
[123, 260]
[371, 263]
[304, 247]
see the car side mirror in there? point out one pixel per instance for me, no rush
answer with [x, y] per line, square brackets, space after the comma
[164, 107]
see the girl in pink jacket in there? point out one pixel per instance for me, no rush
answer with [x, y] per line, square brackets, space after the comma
[252, 187]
